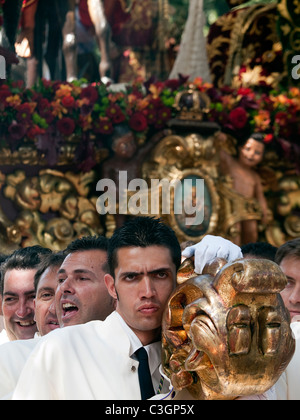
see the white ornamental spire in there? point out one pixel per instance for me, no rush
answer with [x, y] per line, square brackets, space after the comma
[192, 57]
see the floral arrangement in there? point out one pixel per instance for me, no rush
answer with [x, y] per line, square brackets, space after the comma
[53, 112]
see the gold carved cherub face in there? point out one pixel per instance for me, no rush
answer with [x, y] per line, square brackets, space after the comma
[228, 335]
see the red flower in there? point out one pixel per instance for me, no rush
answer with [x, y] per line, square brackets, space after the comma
[151, 116]
[281, 118]
[89, 93]
[24, 113]
[103, 126]
[164, 114]
[43, 104]
[35, 131]
[245, 92]
[238, 117]
[66, 126]
[68, 101]
[268, 138]
[173, 84]
[138, 122]
[114, 112]
[4, 93]
[47, 115]
[119, 118]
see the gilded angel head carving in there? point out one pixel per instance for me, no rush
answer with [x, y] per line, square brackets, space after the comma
[228, 334]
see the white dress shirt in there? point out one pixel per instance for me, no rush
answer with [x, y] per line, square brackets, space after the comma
[3, 337]
[93, 361]
[288, 386]
[153, 350]
[13, 356]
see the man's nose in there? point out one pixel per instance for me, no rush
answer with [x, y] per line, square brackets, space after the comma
[147, 287]
[67, 286]
[24, 309]
[295, 295]
[52, 308]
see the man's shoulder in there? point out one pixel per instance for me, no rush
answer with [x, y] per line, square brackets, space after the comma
[91, 331]
[21, 346]
[3, 337]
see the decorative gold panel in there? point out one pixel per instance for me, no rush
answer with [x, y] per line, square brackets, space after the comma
[196, 155]
[54, 208]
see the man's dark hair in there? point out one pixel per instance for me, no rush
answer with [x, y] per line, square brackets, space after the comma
[289, 249]
[3, 258]
[89, 243]
[23, 259]
[143, 232]
[260, 250]
[54, 259]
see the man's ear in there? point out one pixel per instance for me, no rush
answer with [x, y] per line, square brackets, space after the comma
[110, 285]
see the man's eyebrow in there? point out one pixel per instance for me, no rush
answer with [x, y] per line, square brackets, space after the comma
[82, 270]
[46, 289]
[10, 294]
[30, 292]
[159, 270]
[77, 271]
[138, 273]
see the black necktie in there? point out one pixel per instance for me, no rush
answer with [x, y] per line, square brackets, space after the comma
[146, 385]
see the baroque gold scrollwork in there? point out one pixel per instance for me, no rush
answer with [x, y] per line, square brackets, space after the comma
[286, 225]
[55, 207]
[187, 157]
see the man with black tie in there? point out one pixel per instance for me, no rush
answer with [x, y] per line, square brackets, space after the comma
[103, 360]
[119, 358]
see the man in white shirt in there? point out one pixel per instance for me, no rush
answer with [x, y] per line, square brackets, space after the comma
[98, 360]
[14, 354]
[3, 333]
[17, 291]
[288, 258]
[83, 266]
[3, 336]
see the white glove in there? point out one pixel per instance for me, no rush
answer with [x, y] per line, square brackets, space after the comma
[212, 247]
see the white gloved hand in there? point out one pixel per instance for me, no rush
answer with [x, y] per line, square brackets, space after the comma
[212, 247]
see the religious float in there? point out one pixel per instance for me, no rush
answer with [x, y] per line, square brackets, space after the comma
[57, 135]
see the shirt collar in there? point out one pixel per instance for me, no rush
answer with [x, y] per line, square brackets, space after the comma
[153, 349]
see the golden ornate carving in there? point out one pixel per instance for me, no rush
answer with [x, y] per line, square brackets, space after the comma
[192, 104]
[28, 154]
[197, 156]
[234, 43]
[190, 156]
[55, 207]
[286, 225]
[227, 333]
